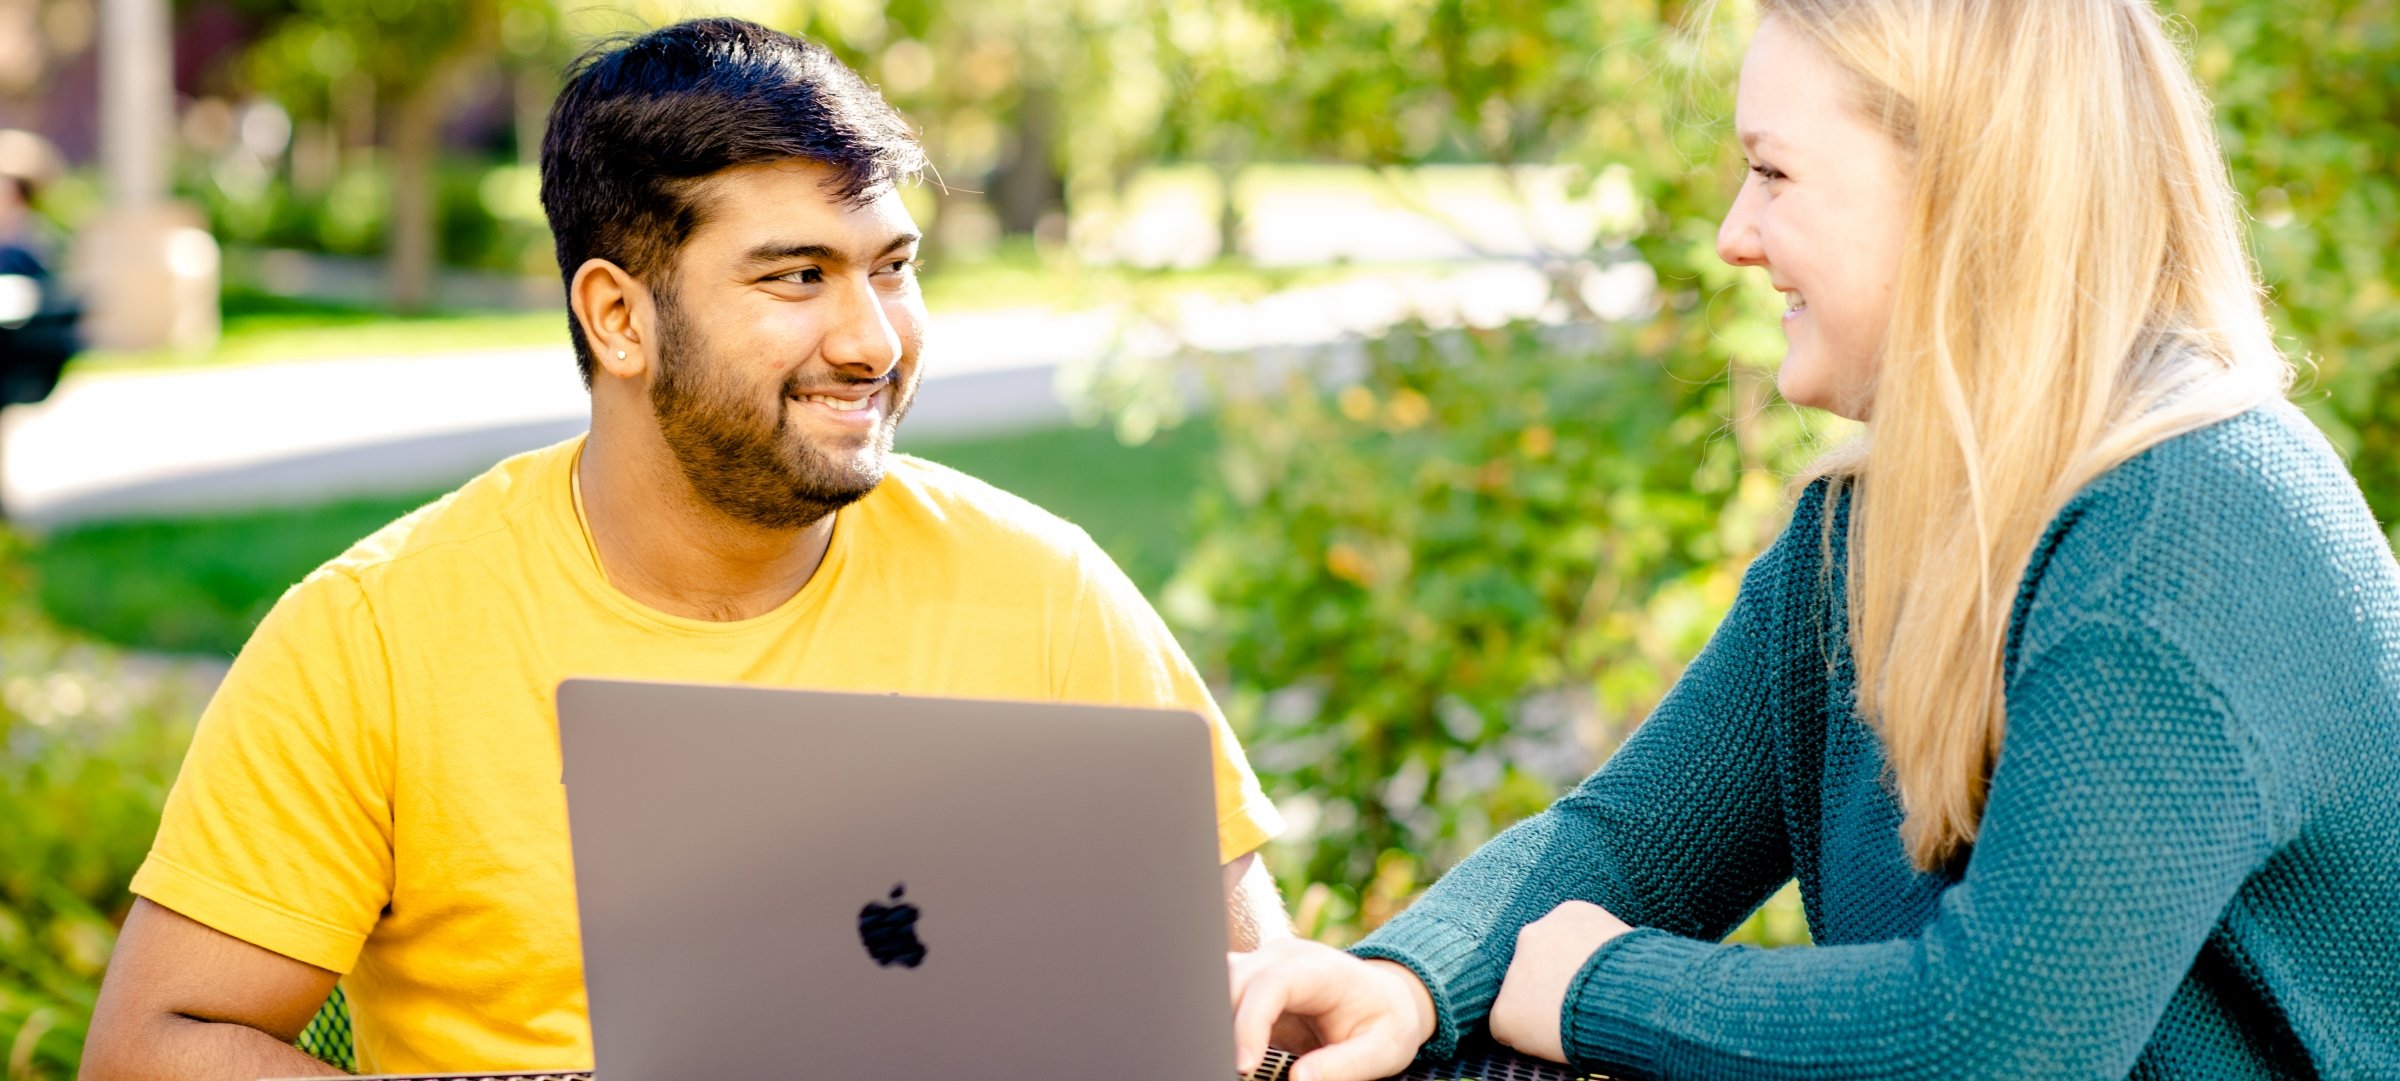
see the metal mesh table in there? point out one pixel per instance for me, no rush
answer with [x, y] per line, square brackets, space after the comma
[1483, 1062]
[328, 1038]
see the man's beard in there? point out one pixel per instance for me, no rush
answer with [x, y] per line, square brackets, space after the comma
[749, 466]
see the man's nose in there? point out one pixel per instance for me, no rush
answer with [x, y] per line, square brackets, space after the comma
[862, 340]
[1737, 235]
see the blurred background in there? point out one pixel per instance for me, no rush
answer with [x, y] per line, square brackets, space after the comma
[1382, 341]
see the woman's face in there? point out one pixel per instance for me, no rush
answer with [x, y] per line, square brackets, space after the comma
[1821, 212]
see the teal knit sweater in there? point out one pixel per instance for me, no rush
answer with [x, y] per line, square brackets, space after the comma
[2189, 864]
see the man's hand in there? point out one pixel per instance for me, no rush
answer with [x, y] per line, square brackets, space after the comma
[1550, 951]
[1356, 1020]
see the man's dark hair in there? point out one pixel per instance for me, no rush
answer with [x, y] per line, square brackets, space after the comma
[643, 122]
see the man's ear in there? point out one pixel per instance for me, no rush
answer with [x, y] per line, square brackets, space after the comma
[614, 309]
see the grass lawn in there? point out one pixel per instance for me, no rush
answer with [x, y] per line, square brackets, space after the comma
[259, 327]
[198, 585]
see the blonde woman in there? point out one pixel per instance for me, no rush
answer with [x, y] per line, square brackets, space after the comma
[2071, 696]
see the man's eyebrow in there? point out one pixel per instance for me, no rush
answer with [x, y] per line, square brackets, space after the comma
[777, 251]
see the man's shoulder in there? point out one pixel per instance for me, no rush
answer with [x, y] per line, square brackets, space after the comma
[928, 498]
[484, 512]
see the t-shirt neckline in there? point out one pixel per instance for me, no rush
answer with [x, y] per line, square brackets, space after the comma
[593, 576]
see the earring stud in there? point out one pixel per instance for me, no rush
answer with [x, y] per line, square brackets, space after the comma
[620, 354]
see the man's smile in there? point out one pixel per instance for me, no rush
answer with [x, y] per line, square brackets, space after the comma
[859, 407]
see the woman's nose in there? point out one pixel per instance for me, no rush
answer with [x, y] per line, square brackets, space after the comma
[1737, 235]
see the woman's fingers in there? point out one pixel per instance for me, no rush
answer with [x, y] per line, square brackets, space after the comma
[1296, 1034]
[1370, 1053]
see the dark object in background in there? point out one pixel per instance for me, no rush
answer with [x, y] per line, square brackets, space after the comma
[37, 320]
[37, 328]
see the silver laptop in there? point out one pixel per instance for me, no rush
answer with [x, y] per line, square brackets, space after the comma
[779, 883]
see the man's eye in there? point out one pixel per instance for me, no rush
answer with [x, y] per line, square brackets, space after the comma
[900, 266]
[805, 276]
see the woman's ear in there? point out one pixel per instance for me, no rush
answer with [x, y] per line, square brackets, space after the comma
[613, 308]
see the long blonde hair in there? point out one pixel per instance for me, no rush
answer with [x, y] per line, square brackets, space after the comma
[2073, 289]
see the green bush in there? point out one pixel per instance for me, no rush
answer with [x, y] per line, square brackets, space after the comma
[488, 214]
[1444, 591]
[89, 742]
[2308, 106]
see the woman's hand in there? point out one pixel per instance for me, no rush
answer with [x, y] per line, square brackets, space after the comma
[1550, 951]
[1356, 1020]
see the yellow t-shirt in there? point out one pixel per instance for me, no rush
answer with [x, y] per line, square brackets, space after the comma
[375, 788]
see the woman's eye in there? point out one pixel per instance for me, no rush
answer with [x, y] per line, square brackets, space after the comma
[1766, 172]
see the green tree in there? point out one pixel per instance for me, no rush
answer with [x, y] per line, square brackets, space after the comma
[402, 67]
[1021, 104]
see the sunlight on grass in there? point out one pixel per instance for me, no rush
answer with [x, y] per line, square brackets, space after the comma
[261, 328]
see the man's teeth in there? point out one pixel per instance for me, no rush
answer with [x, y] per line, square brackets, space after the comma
[842, 405]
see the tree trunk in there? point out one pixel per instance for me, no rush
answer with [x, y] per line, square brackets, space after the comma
[414, 252]
[1026, 187]
[532, 95]
[1232, 152]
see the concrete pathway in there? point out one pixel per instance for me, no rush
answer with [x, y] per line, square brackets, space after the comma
[177, 442]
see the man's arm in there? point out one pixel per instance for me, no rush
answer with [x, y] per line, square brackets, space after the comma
[185, 1001]
[1254, 913]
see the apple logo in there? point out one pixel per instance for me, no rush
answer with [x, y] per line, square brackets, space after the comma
[890, 931]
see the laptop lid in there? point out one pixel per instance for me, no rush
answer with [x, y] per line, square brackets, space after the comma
[789, 883]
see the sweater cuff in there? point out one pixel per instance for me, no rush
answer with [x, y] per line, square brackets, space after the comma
[1452, 966]
[1614, 1019]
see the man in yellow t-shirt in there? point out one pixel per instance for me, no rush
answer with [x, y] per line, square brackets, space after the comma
[374, 793]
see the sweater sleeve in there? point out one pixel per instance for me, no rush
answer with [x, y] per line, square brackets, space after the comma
[1682, 828]
[2123, 817]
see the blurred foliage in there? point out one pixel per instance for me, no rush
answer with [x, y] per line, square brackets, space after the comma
[1627, 95]
[487, 216]
[1444, 590]
[2308, 105]
[89, 741]
[363, 93]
